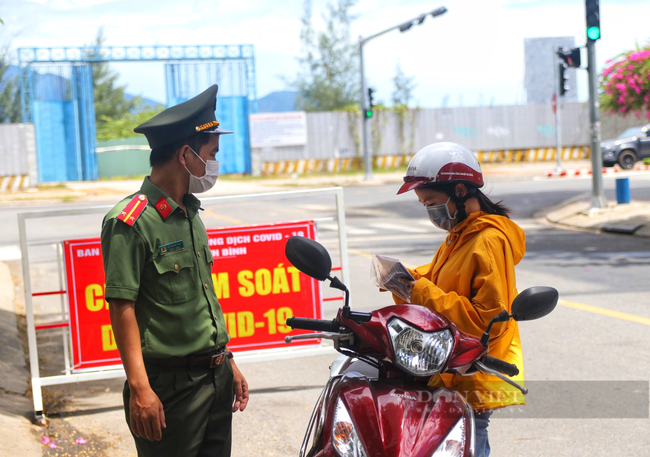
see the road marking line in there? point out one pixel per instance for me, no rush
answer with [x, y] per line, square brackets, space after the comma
[605, 312]
[360, 253]
[350, 230]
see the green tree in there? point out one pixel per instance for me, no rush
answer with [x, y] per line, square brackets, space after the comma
[122, 127]
[110, 102]
[403, 87]
[329, 78]
[10, 107]
[625, 83]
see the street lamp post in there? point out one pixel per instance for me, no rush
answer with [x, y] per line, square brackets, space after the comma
[362, 101]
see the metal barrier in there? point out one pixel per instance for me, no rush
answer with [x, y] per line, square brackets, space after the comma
[69, 377]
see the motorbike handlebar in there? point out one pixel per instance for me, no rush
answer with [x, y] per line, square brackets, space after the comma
[318, 325]
[501, 366]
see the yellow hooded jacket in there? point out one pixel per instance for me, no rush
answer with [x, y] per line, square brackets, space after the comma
[470, 280]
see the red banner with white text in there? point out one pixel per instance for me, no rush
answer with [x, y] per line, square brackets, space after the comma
[257, 287]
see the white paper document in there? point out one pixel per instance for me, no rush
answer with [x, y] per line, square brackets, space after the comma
[386, 273]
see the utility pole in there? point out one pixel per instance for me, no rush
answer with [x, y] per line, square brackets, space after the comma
[556, 111]
[592, 10]
[363, 105]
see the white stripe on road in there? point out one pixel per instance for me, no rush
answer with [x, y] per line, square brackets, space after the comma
[11, 252]
[350, 230]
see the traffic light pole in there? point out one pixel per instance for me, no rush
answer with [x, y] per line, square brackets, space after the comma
[598, 199]
[367, 158]
[363, 106]
[556, 101]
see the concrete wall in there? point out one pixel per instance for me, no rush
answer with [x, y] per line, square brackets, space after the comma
[336, 135]
[123, 158]
[18, 167]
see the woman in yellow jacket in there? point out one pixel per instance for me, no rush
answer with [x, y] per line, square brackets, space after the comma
[472, 276]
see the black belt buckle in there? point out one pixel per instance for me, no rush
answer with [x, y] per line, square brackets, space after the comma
[217, 359]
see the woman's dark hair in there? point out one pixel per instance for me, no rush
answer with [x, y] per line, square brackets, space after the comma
[163, 154]
[485, 203]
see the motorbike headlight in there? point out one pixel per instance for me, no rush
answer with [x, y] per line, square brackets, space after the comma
[454, 443]
[344, 436]
[419, 353]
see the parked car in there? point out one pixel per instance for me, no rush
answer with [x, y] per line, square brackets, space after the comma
[630, 146]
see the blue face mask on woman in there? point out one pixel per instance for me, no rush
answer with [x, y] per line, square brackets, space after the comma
[440, 217]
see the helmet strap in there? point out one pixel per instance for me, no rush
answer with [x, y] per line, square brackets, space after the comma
[460, 202]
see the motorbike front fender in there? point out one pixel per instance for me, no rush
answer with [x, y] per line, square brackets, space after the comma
[396, 418]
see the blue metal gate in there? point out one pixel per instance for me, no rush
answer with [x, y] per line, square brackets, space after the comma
[185, 80]
[63, 111]
[58, 99]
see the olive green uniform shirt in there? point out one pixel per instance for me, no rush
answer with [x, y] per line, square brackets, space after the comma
[164, 266]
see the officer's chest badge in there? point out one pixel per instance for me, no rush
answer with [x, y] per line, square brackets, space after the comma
[171, 247]
[133, 210]
[163, 207]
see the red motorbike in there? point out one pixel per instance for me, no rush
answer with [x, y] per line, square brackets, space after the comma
[377, 401]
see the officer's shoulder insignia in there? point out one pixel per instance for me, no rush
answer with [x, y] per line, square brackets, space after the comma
[133, 210]
[163, 207]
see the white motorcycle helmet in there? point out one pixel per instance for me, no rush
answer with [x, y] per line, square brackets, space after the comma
[442, 163]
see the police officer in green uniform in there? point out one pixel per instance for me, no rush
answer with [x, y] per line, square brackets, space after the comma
[182, 383]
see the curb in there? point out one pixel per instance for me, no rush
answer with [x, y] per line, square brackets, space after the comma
[504, 156]
[581, 172]
[13, 183]
[574, 214]
[587, 171]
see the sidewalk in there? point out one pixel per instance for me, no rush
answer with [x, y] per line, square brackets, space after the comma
[627, 219]
[17, 434]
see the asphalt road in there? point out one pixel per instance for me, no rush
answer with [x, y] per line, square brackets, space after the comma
[568, 351]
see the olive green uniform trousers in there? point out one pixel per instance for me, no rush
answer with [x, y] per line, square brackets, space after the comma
[198, 411]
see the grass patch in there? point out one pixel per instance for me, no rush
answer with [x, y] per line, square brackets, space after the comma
[51, 186]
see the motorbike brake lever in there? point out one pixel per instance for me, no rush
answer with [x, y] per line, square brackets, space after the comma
[487, 370]
[323, 335]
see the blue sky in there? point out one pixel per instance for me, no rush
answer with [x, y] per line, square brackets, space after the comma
[472, 55]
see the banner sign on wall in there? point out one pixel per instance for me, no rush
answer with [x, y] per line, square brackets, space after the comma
[257, 287]
[270, 130]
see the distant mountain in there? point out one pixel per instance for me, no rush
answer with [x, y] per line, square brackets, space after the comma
[12, 72]
[278, 102]
[148, 103]
[52, 87]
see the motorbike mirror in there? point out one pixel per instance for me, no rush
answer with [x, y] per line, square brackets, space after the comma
[534, 302]
[309, 256]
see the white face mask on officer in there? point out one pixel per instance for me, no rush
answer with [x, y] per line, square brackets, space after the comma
[440, 217]
[199, 184]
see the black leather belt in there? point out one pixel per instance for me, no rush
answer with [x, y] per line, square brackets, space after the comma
[191, 361]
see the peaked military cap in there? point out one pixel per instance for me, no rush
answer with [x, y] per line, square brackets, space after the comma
[195, 115]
